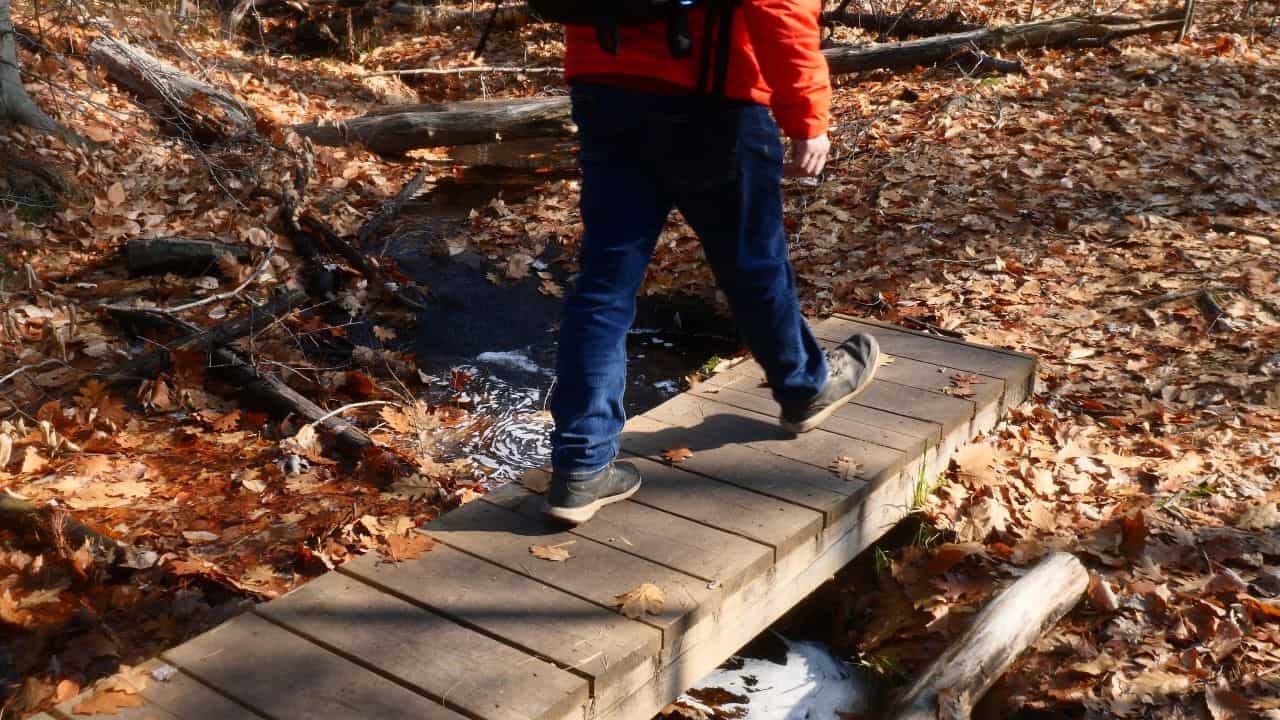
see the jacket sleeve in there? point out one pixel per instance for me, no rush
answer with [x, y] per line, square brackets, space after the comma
[786, 37]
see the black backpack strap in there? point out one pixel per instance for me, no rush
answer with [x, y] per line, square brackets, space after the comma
[725, 33]
[607, 34]
[708, 44]
[678, 40]
[717, 40]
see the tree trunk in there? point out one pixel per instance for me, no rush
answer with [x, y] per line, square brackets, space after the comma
[16, 105]
[392, 132]
[186, 104]
[1009, 624]
[1056, 33]
[435, 18]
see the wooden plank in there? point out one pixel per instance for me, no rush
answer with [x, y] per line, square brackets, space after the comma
[704, 552]
[282, 675]
[851, 424]
[777, 523]
[177, 697]
[951, 417]
[747, 467]
[718, 423]
[599, 573]
[882, 405]
[1017, 369]
[431, 654]
[614, 653]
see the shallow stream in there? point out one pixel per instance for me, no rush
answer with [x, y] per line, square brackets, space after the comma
[496, 342]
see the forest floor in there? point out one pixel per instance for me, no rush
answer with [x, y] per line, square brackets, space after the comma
[1114, 212]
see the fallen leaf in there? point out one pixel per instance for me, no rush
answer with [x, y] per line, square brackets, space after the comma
[406, 547]
[67, 689]
[1101, 594]
[115, 194]
[846, 468]
[647, 598]
[199, 536]
[1227, 704]
[554, 553]
[675, 455]
[106, 702]
[32, 462]
[1155, 684]
[1261, 516]
[949, 555]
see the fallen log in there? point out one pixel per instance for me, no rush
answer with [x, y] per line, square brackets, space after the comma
[392, 132]
[185, 104]
[442, 18]
[182, 256]
[257, 319]
[396, 130]
[68, 535]
[899, 24]
[1078, 31]
[270, 393]
[1008, 625]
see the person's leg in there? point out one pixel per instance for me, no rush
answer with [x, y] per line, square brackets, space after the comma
[623, 211]
[740, 224]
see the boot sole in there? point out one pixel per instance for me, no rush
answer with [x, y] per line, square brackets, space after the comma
[579, 515]
[813, 421]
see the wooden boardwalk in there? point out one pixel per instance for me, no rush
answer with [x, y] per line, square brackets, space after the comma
[735, 536]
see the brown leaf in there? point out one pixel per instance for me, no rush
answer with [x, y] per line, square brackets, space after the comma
[1263, 610]
[1133, 533]
[107, 701]
[949, 555]
[32, 462]
[1101, 594]
[846, 468]
[554, 553]
[647, 598]
[1227, 704]
[395, 419]
[67, 689]
[675, 455]
[410, 547]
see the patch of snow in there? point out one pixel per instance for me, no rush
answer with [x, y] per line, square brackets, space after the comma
[512, 359]
[668, 387]
[812, 684]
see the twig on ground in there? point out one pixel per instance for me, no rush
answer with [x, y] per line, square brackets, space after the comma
[389, 209]
[217, 297]
[27, 368]
[466, 70]
[1189, 14]
[345, 408]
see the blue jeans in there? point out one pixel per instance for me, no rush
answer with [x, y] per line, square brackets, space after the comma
[720, 162]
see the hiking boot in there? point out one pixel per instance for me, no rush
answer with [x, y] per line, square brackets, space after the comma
[850, 368]
[575, 499]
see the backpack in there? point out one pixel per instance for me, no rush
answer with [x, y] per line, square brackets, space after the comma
[609, 15]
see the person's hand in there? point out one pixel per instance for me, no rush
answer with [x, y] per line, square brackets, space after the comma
[808, 156]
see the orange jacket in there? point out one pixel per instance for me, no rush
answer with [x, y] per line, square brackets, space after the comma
[775, 60]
